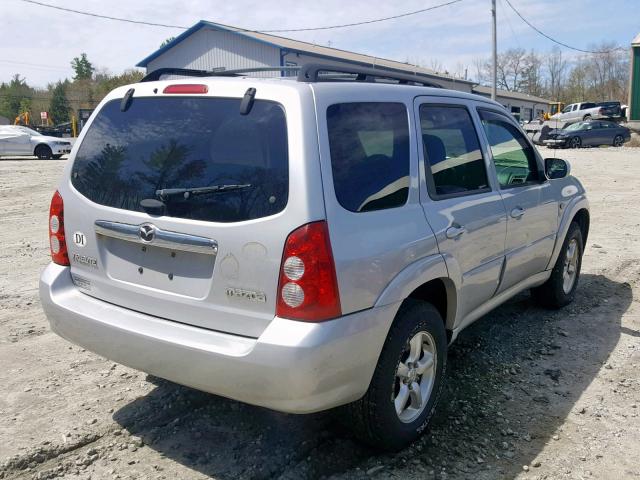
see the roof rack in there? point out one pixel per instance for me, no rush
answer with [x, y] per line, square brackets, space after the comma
[313, 73]
[218, 72]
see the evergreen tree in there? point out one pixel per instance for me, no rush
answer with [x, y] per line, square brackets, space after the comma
[82, 67]
[59, 109]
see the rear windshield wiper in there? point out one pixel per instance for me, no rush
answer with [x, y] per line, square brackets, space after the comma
[187, 192]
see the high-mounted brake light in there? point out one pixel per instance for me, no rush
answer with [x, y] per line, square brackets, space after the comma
[57, 241]
[186, 88]
[308, 287]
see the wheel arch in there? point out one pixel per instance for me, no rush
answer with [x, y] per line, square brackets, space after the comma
[35, 149]
[428, 280]
[576, 210]
[582, 218]
[441, 293]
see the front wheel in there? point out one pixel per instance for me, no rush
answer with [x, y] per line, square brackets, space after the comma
[618, 141]
[407, 381]
[575, 142]
[561, 286]
[43, 152]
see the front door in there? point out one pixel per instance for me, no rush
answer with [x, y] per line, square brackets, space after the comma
[532, 209]
[461, 201]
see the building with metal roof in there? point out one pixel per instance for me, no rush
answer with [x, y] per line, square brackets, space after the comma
[209, 46]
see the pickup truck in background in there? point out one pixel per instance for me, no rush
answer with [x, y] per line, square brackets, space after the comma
[612, 110]
[577, 112]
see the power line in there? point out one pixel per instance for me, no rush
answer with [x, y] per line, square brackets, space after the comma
[366, 22]
[182, 27]
[558, 41]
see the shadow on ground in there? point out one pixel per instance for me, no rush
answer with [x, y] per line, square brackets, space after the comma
[513, 378]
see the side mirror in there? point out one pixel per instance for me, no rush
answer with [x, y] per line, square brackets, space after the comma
[556, 168]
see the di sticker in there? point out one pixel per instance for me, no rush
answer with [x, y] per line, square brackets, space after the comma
[79, 239]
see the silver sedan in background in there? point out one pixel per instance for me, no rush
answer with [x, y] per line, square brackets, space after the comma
[19, 140]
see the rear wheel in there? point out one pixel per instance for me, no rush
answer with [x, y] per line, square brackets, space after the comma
[407, 381]
[575, 142]
[586, 118]
[43, 152]
[560, 289]
[618, 141]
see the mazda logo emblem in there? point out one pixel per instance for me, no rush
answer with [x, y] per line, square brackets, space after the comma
[147, 233]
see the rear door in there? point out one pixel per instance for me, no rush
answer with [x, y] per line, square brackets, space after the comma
[531, 206]
[461, 201]
[179, 206]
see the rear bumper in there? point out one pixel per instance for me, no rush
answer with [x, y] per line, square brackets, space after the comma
[293, 367]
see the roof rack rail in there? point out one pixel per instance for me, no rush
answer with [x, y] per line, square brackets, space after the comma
[187, 72]
[218, 72]
[306, 73]
[312, 73]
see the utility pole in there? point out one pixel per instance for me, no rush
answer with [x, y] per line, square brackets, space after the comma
[494, 41]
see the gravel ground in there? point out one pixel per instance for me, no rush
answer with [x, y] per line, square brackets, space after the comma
[531, 393]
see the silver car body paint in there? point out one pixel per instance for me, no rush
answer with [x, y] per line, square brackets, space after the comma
[212, 326]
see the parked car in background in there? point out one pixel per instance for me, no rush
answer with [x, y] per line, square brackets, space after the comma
[580, 111]
[589, 134]
[60, 130]
[20, 140]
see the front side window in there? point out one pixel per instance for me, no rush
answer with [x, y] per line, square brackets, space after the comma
[369, 144]
[513, 155]
[452, 151]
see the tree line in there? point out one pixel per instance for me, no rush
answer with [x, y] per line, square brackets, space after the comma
[64, 98]
[594, 77]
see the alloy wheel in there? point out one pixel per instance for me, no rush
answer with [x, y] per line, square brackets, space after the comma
[415, 377]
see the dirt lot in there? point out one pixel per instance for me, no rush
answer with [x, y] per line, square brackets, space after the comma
[531, 393]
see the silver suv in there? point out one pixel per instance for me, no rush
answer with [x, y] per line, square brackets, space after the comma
[304, 244]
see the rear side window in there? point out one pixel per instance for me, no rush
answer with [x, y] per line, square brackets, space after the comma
[184, 143]
[452, 151]
[369, 145]
[584, 106]
[513, 155]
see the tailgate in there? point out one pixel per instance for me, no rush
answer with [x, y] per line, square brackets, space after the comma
[207, 248]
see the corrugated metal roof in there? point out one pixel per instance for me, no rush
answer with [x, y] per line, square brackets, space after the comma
[304, 47]
[508, 94]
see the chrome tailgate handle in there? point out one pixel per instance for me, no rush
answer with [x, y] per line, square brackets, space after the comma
[149, 234]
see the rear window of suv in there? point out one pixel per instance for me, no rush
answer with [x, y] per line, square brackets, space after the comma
[184, 143]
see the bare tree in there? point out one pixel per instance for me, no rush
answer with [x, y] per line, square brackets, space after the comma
[510, 66]
[532, 82]
[556, 66]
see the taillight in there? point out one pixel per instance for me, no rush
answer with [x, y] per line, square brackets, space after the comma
[186, 88]
[57, 241]
[601, 111]
[308, 287]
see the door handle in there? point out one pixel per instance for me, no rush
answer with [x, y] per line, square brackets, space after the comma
[455, 231]
[517, 212]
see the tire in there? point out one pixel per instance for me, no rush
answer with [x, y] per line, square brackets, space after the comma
[556, 292]
[575, 142]
[586, 118]
[43, 152]
[374, 418]
[618, 141]
[56, 157]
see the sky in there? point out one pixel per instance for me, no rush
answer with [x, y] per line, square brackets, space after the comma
[39, 42]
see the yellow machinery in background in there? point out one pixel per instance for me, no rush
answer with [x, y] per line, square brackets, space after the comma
[23, 119]
[554, 107]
